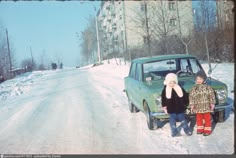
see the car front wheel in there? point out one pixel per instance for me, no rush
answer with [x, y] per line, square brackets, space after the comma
[151, 121]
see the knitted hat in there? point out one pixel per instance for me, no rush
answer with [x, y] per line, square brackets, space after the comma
[170, 77]
[201, 74]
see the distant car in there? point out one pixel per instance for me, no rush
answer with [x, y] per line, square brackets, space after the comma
[144, 84]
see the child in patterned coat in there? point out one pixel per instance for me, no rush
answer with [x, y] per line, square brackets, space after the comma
[202, 102]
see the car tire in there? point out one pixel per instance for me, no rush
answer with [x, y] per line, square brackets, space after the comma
[132, 108]
[151, 121]
[220, 116]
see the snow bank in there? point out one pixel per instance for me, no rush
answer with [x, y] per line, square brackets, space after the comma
[223, 72]
[115, 68]
[22, 84]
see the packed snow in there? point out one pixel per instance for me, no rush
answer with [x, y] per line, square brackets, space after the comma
[85, 111]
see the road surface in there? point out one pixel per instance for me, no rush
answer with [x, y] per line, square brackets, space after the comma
[84, 111]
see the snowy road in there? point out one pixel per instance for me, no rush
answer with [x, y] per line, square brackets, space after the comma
[85, 112]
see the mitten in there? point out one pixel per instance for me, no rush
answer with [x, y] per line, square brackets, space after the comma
[192, 109]
[165, 109]
[212, 106]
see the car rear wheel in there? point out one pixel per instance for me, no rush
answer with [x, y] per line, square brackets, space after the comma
[132, 108]
[151, 121]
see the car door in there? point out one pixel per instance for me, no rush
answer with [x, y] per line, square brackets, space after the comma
[137, 86]
[130, 83]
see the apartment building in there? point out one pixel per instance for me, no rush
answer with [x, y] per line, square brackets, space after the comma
[204, 14]
[214, 13]
[225, 15]
[115, 26]
[127, 24]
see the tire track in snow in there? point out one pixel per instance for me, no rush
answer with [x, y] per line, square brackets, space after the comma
[124, 123]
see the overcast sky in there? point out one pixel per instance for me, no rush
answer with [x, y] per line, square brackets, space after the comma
[48, 27]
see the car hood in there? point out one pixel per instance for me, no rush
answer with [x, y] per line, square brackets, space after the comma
[215, 83]
[186, 83]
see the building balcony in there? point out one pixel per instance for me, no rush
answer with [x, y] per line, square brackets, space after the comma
[104, 24]
[114, 26]
[108, 18]
[110, 30]
[108, 6]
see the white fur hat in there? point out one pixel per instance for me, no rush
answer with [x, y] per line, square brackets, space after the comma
[170, 77]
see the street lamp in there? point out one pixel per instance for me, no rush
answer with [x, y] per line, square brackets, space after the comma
[98, 41]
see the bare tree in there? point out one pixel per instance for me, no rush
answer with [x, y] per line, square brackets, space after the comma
[4, 67]
[184, 20]
[58, 58]
[156, 22]
[43, 61]
[205, 27]
[27, 64]
[88, 45]
[33, 63]
[159, 21]
[103, 42]
[224, 34]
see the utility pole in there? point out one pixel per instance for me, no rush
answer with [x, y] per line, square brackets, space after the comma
[32, 59]
[125, 43]
[8, 47]
[147, 28]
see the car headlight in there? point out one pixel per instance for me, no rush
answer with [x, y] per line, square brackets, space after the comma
[221, 95]
[158, 101]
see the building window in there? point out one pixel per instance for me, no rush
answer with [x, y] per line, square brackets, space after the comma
[108, 7]
[194, 11]
[173, 22]
[172, 5]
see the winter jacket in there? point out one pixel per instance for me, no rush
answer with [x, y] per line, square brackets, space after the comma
[175, 104]
[201, 97]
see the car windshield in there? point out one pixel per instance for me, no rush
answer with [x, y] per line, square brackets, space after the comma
[159, 69]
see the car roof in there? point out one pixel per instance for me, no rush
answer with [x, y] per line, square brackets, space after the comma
[161, 57]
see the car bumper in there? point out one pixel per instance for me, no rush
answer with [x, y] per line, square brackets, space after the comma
[160, 115]
[222, 107]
